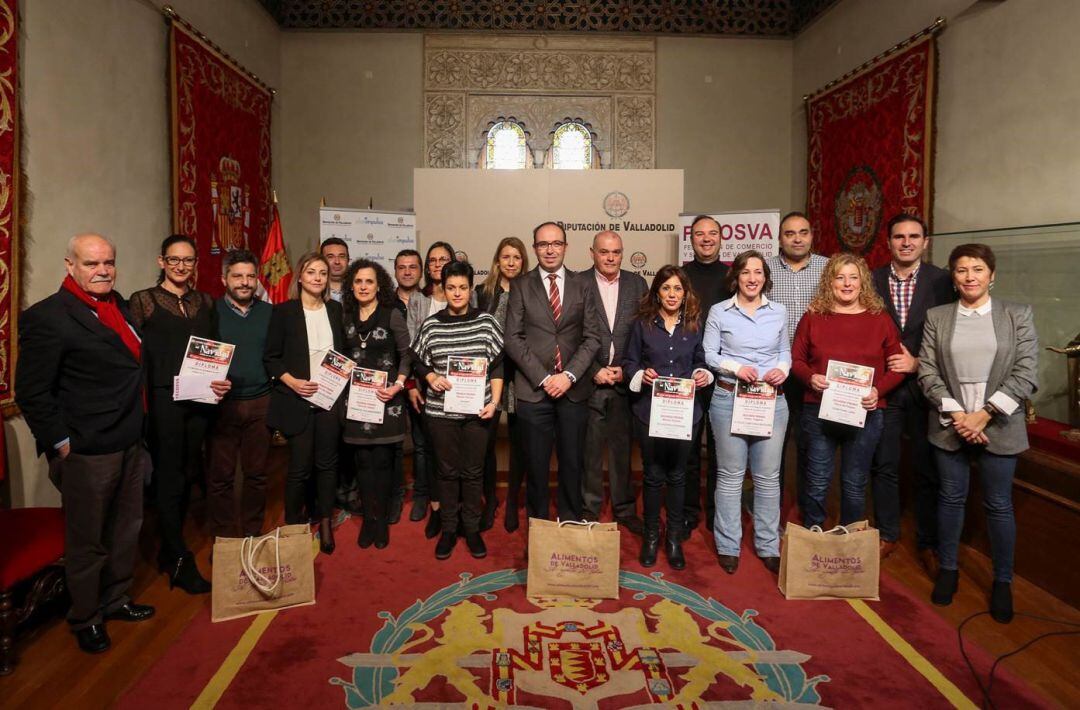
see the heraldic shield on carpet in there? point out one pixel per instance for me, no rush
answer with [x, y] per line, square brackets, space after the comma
[566, 653]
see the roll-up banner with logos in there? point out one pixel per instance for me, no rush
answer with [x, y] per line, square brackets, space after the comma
[474, 209]
[370, 234]
[739, 231]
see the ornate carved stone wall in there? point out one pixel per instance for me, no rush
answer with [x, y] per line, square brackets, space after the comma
[471, 80]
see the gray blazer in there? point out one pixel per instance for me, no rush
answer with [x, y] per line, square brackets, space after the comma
[531, 334]
[417, 311]
[1014, 373]
[631, 288]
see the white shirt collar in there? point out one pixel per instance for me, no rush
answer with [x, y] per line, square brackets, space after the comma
[981, 310]
[733, 303]
[560, 274]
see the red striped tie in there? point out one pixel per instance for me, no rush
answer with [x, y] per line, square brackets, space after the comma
[556, 312]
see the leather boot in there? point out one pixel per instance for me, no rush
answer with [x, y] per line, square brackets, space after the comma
[434, 524]
[945, 587]
[510, 515]
[1001, 607]
[186, 576]
[673, 550]
[650, 545]
[382, 533]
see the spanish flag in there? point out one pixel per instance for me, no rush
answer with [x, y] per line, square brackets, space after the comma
[275, 273]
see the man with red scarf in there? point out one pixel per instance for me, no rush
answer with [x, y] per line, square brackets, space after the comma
[79, 385]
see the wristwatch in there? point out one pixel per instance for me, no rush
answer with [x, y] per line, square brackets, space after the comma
[991, 410]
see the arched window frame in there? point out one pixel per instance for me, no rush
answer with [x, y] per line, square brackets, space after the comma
[488, 158]
[590, 161]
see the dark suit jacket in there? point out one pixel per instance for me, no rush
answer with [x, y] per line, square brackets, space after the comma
[76, 379]
[631, 288]
[531, 334]
[287, 352]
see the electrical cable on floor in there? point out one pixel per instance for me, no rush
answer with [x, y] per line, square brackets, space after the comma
[988, 688]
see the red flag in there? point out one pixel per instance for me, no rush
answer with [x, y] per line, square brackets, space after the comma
[276, 272]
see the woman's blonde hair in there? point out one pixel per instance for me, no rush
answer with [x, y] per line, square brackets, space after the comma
[492, 280]
[825, 302]
[301, 264]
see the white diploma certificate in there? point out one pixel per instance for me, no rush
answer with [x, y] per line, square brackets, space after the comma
[672, 411]
[468, 380]
[754, 409]
[205, 361]
[848, 384]
[333, 374]
[364, 403]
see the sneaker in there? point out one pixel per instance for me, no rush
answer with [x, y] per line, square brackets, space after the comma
[445, 546]
[476, 545]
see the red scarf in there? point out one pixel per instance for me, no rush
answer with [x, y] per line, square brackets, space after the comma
[109, 314]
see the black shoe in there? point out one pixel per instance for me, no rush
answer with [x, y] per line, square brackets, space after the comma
[945, 587]
[673, 550]
[632, 523]
[710, 516]
[186, 576]
[590, 518]
[93, 639]
[729, 563]
[1001, 608]
[131, 612]
[445, 546]
[327, 544]
[688, 527]
[650, 546]
[510, 517]
[487, 518]
[393, 517]
[367, 532]
[434, 524]
[419, 509]
[327, 547]
[772, 564]
[476, 545]
[382, 534]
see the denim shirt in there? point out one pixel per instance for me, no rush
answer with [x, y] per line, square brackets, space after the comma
[675, 354]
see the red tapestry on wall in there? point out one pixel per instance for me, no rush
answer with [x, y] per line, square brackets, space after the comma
[221, 154]
[9, 200]
[870, 152]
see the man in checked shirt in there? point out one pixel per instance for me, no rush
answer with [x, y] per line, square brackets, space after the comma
[909, 288]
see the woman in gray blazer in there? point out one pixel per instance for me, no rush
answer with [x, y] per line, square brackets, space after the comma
[978, 363]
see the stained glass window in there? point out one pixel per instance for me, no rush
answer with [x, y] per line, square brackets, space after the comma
[572, 147]
[506, 147]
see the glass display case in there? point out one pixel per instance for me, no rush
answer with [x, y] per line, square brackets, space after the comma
[1039, 266]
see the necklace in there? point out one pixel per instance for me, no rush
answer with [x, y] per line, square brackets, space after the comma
[363, 339]
[363, 319]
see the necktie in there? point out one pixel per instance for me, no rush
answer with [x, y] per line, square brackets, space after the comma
[556, 311]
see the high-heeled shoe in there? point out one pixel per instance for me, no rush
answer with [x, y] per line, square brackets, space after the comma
[185, 575]
[434, 524]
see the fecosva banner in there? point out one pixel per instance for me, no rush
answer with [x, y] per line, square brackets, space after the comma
[473, 209]
[739, 231]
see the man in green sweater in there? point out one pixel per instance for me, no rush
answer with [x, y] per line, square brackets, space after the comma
[240, 431]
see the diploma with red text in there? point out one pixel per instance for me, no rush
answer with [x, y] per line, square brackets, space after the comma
[671, 414]
[468, 380]
[754, 409]
[364, 403]
[334, 373]
[848, 384]
[205, 361]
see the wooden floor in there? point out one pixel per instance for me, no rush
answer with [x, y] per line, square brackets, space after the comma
[52, 672]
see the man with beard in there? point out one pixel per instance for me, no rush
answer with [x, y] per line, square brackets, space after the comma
[240, 431]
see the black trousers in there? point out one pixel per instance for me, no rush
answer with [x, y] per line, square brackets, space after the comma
[559, 424]
[424, 458]
[376, 476]
[312, 452]
[906, 415]
[609, 426]
[793, 393]
[664, 462]
[239, 434]
[462, 446]
[103, 512]
[692, 504]
[491, 465]
[178, 430]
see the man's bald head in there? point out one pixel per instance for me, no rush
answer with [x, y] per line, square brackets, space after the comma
[91, 261]
[607, 253]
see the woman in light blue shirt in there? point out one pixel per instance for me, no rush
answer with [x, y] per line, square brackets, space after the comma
[746, 339]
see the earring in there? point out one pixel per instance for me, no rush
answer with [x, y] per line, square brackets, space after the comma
[991, 286]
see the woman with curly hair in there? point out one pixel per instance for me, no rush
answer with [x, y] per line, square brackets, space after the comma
[665, 341]
[845, 321]
[377, 338]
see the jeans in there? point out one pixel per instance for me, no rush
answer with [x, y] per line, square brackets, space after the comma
[665, 464]
[996, 475]
[856, 452]
[765, 455]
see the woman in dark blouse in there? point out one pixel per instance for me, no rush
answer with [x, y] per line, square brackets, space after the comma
[665, 341]
[167, 315]
[376, 338]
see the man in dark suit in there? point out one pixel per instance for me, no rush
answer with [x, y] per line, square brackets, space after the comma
[618, 294]
[79, 385]
[552, 333]
[909, 288]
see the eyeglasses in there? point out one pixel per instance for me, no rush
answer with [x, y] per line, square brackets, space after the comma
[177, 260]
[439, 260]
[549, 245]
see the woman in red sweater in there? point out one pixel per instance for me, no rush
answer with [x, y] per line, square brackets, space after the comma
[846, 322]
